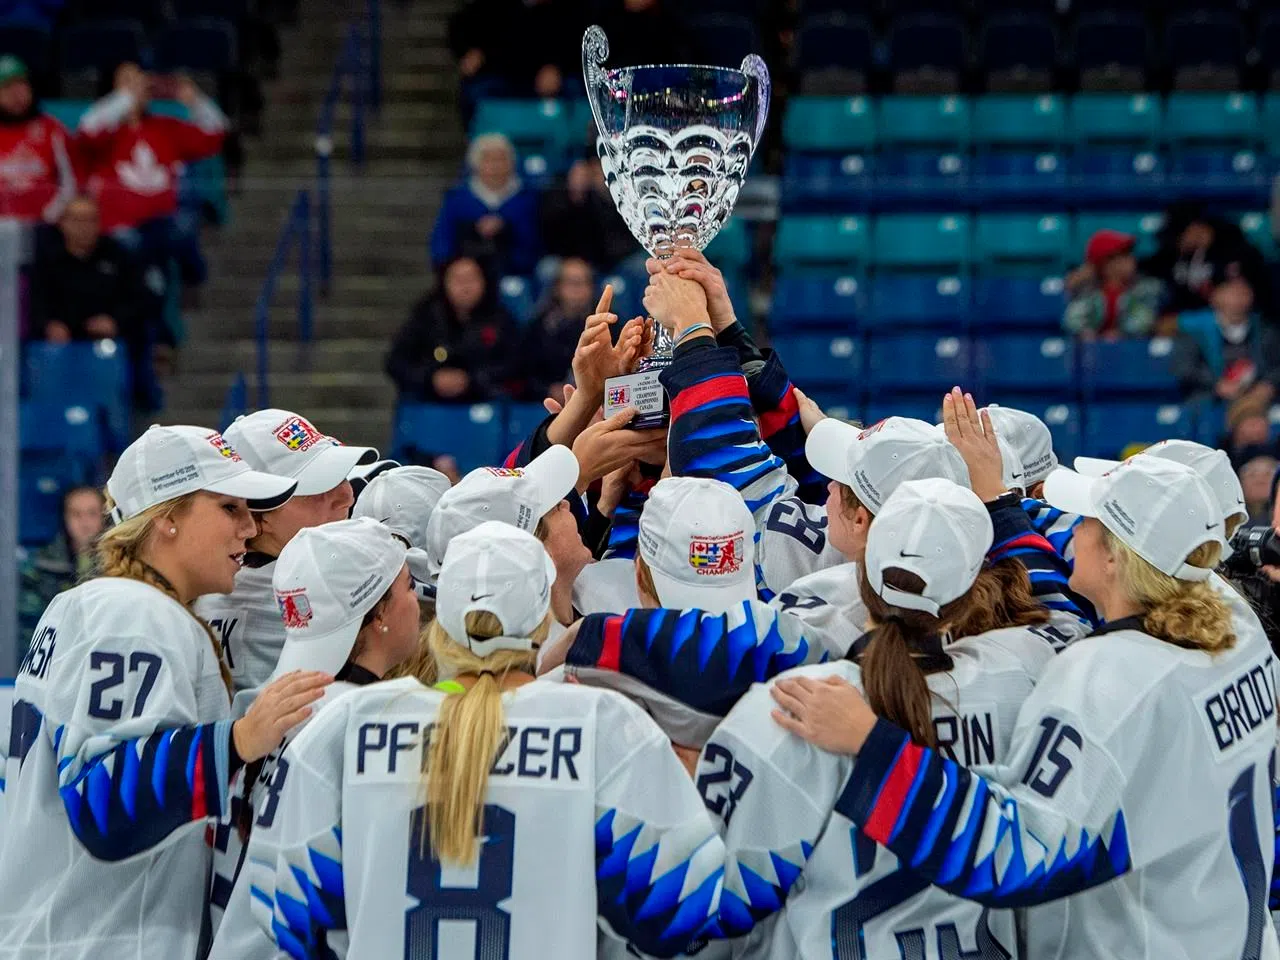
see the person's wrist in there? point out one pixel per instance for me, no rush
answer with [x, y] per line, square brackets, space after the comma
[238, 741]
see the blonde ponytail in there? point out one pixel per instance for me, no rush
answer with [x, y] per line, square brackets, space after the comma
[1185, 613]
[119, 554]
[467, 737]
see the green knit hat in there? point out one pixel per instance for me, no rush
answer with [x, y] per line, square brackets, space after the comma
[11, 68]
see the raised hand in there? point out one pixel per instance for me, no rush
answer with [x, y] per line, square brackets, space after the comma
[606, 446]
[690, 264]
[675, 303]
[280, 707]
[973, 435]
[810, 412]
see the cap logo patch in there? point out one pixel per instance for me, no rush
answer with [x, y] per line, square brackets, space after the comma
[874, 428]
[716, 556]
[295, 608]
[224, 449]
[298, 435]
[506, 471]
[619, 396]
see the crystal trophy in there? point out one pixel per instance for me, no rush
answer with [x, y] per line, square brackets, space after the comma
[675, 144]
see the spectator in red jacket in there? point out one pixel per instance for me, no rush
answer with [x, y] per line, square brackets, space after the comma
[36, 175]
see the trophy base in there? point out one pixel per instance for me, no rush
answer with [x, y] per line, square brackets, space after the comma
[644, 392]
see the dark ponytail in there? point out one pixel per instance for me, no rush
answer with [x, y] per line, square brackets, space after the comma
[892, 679]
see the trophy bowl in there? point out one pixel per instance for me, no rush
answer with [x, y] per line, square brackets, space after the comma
[675, 141]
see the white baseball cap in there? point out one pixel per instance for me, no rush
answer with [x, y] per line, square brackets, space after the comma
[873, 461]
[936, 529]
[1214, 467]
[1160, 509]
[697, 538]
[1030, 437]
[169, 462]
[1012, 476]
[519, 496]
[403, 498]
[288, 445]
[326, 579]
[500, 569]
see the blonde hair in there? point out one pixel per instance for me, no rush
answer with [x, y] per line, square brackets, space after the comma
[644, 578]
[468, 736]
[119, 553]
[1185, 613]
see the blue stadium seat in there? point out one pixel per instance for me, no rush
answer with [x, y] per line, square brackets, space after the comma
[1108, 176]
[533, 126]
[1128, 368]
[56, 430]
[1220, 175]
[822, 359]
[919, 121]
[1111, 427]
[834, 52]
[1230, 119]
[1214, 138]
[1022, 239]
[1019, 48]
[628, 291]
[1257, 227]
[101, 45]
[92, 375]
[473, 434]
[41, 482]
[520, 420]
[835, 402]
[812, 241]
[921, 179]
[1112, 49]
[205, 45]
[1144, 226]
[730, 249]
[936, 43]
[1129, 118]
[1021, 179]
[918, 363]
[917, 241]
[1012, 120]
[813, 182]
[516, 294]
[829, 124]
[1027, 365]
[1025, 302]
[918, 300]
[1065, 422]
[882, 406]
[810, 300]
[30, 43]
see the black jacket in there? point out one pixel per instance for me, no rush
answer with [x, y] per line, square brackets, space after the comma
[72, 290]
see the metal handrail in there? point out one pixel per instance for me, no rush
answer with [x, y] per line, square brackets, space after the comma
[295, 233]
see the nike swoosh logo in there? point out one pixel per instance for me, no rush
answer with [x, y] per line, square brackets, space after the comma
[1239, 503]
[1210, 526]
[479, 596]
[917, 556]
[1015, 476]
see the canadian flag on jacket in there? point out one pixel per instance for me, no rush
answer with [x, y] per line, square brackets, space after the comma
[36, 175]
[131, 164]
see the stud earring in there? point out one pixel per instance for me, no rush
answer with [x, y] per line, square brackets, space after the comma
[172, 531]
[384, 630]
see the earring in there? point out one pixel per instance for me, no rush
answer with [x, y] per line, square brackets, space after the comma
[384, 630]
[173, 531]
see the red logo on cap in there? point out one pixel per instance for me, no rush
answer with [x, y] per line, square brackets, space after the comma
[295, 608]
[874, 428]
[218, 443]
[506, 471]
[298, 435]
[716, 556]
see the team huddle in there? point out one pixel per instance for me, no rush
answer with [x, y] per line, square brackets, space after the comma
[760, 684]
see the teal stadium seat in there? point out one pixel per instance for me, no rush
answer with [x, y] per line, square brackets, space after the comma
[1217, 118]
[1004, 239]
[731, 248]
[818, 241]
[907, 121]
[1271, 122]
[1131, 118]
[922, 240]
[1144, 226]
[533, 126]
[1009, 120]
[830, 124]
[1257, 227]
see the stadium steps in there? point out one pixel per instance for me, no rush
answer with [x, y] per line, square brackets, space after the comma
[381, 220]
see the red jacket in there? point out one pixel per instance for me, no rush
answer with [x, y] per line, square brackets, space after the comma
[132, 167]
[35, 169]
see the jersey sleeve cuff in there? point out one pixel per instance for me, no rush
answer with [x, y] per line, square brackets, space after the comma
[697, 360]
[874, 764]
[588, 645]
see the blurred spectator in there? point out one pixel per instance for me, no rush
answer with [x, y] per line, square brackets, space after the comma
[129, 160]
[459, 345]
[516, 48]
[490, 217]
[62, 564]
[1194, 245]
[644, 31]
[1226, 351]
[1255, 478]
[580, 220]
[1107, 296]
[84, 286]
[552, 337]
[36, 175]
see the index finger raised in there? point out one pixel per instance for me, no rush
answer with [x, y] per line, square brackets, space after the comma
[606, 299]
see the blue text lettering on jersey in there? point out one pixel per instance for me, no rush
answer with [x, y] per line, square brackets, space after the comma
[970, 738]
[392, 751]
[1234, 711]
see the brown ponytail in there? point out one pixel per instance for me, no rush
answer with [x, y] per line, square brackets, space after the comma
[1000, 597]
[119, 550]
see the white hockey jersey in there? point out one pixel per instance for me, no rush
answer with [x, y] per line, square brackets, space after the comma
[1137, 786]
[119, 756]
[248, 623]
[589, 813]
[841, 895]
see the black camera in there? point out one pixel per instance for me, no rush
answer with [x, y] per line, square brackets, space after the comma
[1252, 548]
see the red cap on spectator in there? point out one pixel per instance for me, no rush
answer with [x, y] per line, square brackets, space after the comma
[1106, 244]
